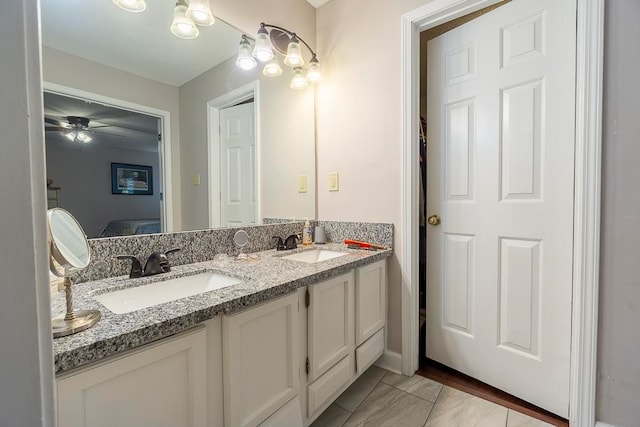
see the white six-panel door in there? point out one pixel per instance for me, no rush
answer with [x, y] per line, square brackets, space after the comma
[237, 166]
[500, 156]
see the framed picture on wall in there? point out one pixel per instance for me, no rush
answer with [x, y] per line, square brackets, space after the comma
[131, 179]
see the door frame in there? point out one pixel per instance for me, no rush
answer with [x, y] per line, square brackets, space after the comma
[164, 148]
[588, 144]
[229, 99]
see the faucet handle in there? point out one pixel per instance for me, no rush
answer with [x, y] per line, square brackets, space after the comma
[279, 243]
[170, 251]
[136, 267]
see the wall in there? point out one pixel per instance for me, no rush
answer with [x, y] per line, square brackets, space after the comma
[90, 199]
[359, 123]
[26, 368]
[287, 143]
[618, 386]
[71, 71]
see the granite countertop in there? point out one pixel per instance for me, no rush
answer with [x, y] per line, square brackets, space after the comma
[262, 279]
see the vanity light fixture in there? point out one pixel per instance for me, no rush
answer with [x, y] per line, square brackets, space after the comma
[272, 39]
[182, 26]
[245, 60]
[200, 12]
[131, 5]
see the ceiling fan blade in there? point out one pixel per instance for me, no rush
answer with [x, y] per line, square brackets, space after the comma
[53, 121]
[56, 128]
[92, 130]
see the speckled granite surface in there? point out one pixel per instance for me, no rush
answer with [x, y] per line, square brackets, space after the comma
[267, 277]
[197, 246]
[380, 233]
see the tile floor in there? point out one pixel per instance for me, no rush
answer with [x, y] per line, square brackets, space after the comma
[380, 398]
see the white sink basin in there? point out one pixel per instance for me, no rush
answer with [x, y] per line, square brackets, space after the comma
[132, 299]
[314, 256]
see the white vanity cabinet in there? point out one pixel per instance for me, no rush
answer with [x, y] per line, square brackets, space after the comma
[159, 385]
[260, 358]
[371, 313]
[329, 339]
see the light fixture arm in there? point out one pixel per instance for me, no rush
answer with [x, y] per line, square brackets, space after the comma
[293, 35]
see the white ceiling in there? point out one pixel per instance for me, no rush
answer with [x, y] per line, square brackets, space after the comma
[139, 43]
[317, 3]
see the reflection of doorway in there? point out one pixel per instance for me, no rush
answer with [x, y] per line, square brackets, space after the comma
[237, 166]
[81, 167]
[234, 169]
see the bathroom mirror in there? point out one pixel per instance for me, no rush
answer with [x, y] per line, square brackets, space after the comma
[69, 252]
[107, 57]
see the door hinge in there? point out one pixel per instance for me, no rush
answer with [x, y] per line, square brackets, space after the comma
[306, 366]
[307, 298]
[159, 137]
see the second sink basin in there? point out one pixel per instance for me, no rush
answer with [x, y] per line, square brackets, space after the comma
[139, 297]
[314, 256]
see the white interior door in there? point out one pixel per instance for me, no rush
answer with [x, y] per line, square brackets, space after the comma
[237, 166]
[500, 117]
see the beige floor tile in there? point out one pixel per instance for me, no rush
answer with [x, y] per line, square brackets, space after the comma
[358, 391]
[516, 419]
[387, 406]
[416, 385]
[458, 409]
[333, 416]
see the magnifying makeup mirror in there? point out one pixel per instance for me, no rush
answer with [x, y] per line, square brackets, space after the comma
[241, 238]
[69, 252]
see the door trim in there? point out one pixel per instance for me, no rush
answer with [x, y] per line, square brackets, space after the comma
[229, 99]
[589, 64]
[164, 149]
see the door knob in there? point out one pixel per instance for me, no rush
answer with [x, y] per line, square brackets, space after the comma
[433, 220]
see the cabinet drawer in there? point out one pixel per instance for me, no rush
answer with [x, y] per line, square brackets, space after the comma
[328, 385]
[369, 352]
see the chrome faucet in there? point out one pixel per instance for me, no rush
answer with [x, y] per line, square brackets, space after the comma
[157, 263]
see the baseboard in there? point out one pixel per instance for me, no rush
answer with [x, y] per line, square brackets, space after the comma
[601, 424]
[391, 361]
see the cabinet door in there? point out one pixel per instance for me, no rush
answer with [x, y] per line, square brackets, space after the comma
[330, 323]
[371, 305]
[160, 385]
[260, 359]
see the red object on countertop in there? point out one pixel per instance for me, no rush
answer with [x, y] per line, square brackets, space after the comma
[363, 244]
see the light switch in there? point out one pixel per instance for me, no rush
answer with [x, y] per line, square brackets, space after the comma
[333, 181]
[196, 179]
[302, 184]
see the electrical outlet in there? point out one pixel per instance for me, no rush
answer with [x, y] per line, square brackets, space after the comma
[333, 181]
[302, 184]
[196, 179]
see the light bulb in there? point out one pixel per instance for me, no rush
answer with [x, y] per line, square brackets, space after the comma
[131, 5]
[272, 68]
[294, 54]
[313, 73]
[262, 49]
[245, 60]
[200, 12]
[298, 81]
[182, 26]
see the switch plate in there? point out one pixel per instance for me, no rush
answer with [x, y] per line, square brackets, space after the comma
[334, 181]
[302, 184]
[196, 179]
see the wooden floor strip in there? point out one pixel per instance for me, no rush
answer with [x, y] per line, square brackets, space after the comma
[443, 374]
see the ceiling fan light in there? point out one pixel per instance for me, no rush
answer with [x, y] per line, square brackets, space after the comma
[182, 26]
[272, 68]
[199, 12]
[262, 49]
[245, 60]
[131, 5]
[71, 135]
[294, 54]
[298, 81]
[313, 73]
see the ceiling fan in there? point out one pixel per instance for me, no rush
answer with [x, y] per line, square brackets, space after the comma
[75, 128]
